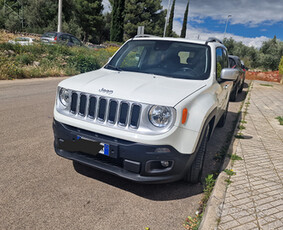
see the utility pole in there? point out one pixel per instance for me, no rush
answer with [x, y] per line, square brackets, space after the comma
[229, 16]
[59, 16]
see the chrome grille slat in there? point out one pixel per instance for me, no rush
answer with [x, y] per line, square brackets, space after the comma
[78, 103]
[89, 107]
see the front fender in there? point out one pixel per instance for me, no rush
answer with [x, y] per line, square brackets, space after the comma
[200, 111]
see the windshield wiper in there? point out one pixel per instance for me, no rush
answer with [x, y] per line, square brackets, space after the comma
[112, 67]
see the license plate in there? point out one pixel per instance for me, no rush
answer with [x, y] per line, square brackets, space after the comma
[105, 149]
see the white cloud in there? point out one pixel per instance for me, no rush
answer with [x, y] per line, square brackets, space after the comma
[251, 13]
[194, 33]
[107, 5]
[246, 12]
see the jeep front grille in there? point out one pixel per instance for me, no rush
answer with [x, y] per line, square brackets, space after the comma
[105, 110]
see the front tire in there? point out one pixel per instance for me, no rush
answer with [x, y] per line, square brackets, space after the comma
[195, 172]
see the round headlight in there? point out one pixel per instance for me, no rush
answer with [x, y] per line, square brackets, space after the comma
[64, 97]
[160, 116]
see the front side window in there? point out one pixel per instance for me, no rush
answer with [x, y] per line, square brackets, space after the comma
[221, 61]
[64, 37]
[166, 58]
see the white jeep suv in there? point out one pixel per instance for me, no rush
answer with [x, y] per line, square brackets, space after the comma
[148, 113]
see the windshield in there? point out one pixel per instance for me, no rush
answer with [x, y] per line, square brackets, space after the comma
[167, 58]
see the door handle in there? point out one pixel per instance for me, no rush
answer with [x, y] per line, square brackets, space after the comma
[225, 86]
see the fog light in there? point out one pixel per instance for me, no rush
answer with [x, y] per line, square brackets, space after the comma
[165, 164]
[162, 150]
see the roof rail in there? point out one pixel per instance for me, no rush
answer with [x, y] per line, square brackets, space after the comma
[145, 36]
[213, 39]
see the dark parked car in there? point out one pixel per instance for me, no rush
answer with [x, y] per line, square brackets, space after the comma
[61, 38]
[235, 63]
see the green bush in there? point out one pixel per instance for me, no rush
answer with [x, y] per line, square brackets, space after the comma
[83, 63]
[281, 66]
[18, 61]
[25, 59]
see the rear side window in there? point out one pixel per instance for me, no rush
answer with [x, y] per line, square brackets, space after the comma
[75, 41]
[232, 63]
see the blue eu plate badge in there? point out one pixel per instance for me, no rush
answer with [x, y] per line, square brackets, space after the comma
[105, 149]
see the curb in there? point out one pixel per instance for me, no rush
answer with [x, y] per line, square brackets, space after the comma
[216, 200]
[213, 210]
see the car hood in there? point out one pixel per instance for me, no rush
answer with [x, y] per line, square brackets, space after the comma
[133, 86]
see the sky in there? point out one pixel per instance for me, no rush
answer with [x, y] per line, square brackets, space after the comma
[251, 22]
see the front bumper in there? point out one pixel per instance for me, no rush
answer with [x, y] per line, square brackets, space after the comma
[134, 161]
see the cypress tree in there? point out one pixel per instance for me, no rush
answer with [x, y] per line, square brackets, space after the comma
[117, 22]
[184, 27]
[89, 16]
[169, 29]
[147, 13]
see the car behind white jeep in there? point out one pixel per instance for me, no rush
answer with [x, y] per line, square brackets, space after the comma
[148, 113]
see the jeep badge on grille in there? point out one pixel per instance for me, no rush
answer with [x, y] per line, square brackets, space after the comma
[107, 91]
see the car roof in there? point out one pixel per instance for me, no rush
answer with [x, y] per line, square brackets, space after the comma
[169, 39]
[201, 42]
[57, 33]
[233, 56]
[211, 42]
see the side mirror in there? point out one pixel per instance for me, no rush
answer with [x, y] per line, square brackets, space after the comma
[228, 74]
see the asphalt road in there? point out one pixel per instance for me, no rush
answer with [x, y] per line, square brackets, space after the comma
[40, 190]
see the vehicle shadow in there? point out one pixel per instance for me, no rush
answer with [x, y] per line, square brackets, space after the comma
[241, 96]
[158, 192]
[223, 138]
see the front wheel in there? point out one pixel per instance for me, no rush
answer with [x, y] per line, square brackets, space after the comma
[194, 173]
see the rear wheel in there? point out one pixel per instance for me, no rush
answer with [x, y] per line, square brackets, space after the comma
[194, 173]
[234, 94]
[242, 86]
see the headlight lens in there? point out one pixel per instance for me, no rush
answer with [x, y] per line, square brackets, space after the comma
[64, 97]
[160, 116]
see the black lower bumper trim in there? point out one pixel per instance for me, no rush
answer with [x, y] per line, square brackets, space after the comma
[134, 161]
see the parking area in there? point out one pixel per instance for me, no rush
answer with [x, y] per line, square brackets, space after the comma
[40, 190]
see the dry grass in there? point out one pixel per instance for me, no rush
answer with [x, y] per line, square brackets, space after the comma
[5, 36]
[40, 60]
